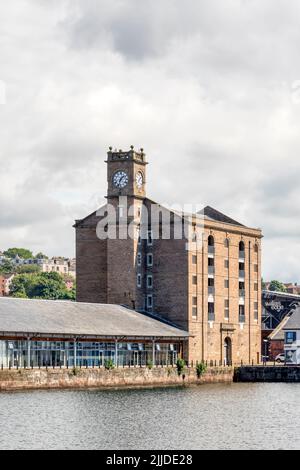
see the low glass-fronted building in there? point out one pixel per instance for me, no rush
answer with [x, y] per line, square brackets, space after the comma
[82, 354]
[37, 333]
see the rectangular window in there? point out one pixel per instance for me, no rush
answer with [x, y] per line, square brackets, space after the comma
[150, 238]
[194, 259]
[226, 263]
[194, 280]
[194, 307]
[139, 280]
[139, 259]
[211, 282]
[242, 313]
[290, 337]
[211, 262]
[211, 311]
[226, 309]
[149, 281]
[255, 310]
[149, 259]
[226, 283]
[256, 268]
[256, 287]
[149, 302]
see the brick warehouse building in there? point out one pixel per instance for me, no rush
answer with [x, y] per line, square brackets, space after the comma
[212, 289]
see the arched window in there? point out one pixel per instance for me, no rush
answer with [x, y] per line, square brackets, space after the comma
[242, 246]
[211, 245]
[211, 241]
[226, 242]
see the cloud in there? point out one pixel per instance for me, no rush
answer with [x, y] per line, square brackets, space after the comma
[210, 89]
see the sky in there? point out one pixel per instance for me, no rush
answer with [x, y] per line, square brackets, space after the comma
[210, 89]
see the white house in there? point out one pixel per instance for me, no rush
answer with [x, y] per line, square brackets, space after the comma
[292, 338]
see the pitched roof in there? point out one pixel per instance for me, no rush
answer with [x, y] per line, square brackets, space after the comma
[208, 213]
[293, 322]
[78, 319]
[278, 333]
[213, 214]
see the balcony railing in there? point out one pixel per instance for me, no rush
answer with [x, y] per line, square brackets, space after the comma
[211, 290]
[211, 250]
[241, 273]
[211, 270]
[242, 292]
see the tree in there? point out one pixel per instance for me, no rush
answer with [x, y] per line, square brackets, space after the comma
[28, 268]
[277, 286]
[41, 255]
[49, 286]
[21, 252]
[7, 267]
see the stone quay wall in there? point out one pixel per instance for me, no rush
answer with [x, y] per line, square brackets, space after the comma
[267, 374]
[30, 379]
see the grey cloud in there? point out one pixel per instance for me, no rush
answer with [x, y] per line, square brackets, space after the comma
[205, 87]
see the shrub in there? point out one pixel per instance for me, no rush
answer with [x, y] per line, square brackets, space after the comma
[180, 366]
[150, 364]
[200, 369]
[109, 364]
[75, 371]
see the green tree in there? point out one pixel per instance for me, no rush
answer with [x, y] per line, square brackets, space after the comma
[28, 268]
[7, 267]
[21, 252]
[49, 286]
[277, 286]
[41, 255]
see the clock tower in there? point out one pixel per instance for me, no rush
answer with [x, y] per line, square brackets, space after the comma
[126, 173]
[126, 191]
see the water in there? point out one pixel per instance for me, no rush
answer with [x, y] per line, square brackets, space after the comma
[235, 416]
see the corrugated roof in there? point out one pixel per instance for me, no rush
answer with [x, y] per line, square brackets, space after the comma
[78, 318]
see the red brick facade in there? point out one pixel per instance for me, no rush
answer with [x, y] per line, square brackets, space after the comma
[223, 268]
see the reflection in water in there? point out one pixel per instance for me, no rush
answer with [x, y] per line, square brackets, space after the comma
[237, 416]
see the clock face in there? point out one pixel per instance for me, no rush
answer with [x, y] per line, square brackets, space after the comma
[139, 179]
[120, 179]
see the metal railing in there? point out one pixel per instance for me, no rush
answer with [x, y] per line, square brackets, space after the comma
[158, 364]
